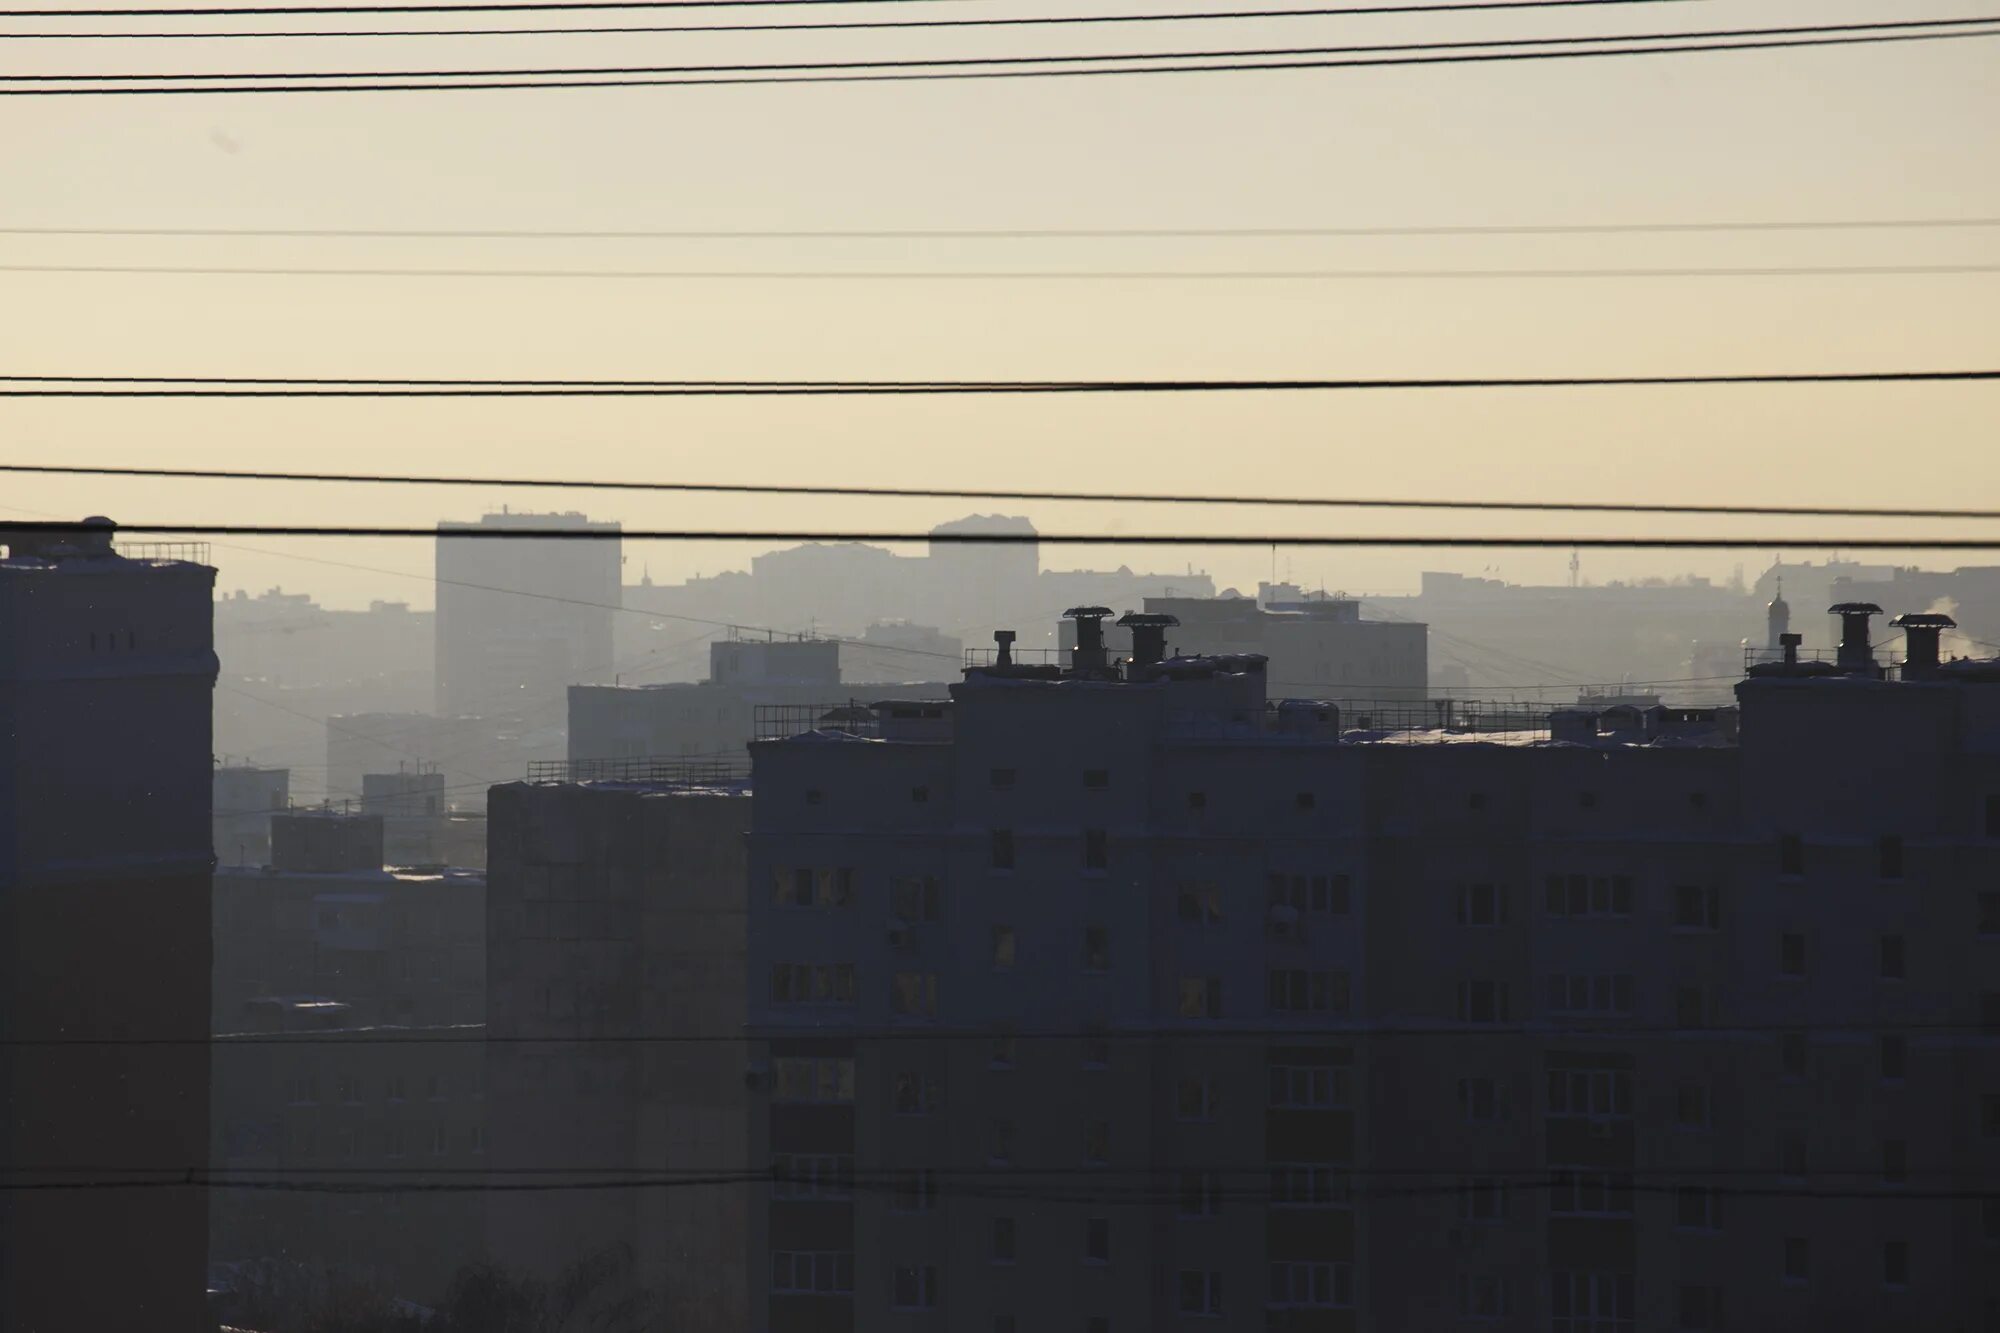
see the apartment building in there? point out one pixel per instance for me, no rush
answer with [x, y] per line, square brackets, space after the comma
[1105, 998]
[615, 982]
[107, 669]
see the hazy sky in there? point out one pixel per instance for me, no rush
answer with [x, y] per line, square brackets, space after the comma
[1860, 132]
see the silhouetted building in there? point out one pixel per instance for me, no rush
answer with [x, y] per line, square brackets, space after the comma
[1133, 996]
[615, 928]
[715, 719]
[521, 619]
[471, 753]
[890, 651]
[376, 978]
[244, 799]
[106, 670]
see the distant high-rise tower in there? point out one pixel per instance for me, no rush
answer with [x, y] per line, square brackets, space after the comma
[107, 669]
[519, 620]
[1778, 618]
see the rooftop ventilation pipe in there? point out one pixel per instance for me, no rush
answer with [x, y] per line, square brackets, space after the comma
[1088, 657]
[1790, 643]
[1149, 635]
[1854, 654]
[1003, 653]
[1921, 631]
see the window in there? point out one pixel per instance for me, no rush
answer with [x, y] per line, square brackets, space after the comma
[1197, 800]
[1896, 1264]
[397, 1088]
[1989, 1115]
[812, 1176]
[1096, 1046]
[1691, 1106]
[1303, 801]
[920, 795]
[915, 898]
[1096, 949]
[1096, 779]
[392, 1141]
[1480, 1100]
[1194, 1099]
[1000, 1141]
[440, 1141]
[1097, 1240]
[1481, 905]
[1482, 1199]
[1200, 1195]
[1097, 1142]
[476, 1139]
[1993, 815]
[1003, 1240]
[1700, 1308]
[1792, 1153]
[1798, 1259]
[1895, 1057]
[914, 995]
[1317, 895]
[1096, 854]
[803, 1079]
[1309, 1087]
[1591, 1093]
[1989, 1218]
[913, 1192]
[1895, 1161]
[347, 1090]
[1694, 1208]
[1587, 799]
[1201, 997]
[1608, 896]
[1003, 849]
[1201, 1293]
[1482, 1001]
[1590, 993]
[1591, 1194]
[914, 1287]
[1989, 1012]
[792, 886]
[1305, 1285]
[1792, 955]
[1690, 1007]
[1889, 957]
[1003, 947]
[833, 886]
[813, 796]
[1199, 904]
[1792, 1055]
[1791, 856]
[1475, 800]
[303, 1090]
[1483, 1298]
[812, 983]
[1889, 857]
[1002, 779]
[917, 1094]
[1308, 1185]
[1295, 991]
[1697, 907]
[1590, 1302]
[812, 1271]
[1989, 913]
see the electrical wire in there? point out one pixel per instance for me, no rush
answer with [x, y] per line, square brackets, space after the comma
[1039, 275]
[481, 6]
[872, 25]
[878, 74]
[1223, 539]
[943, 62]
[241, 386]
[948, 493]
[1036, 234]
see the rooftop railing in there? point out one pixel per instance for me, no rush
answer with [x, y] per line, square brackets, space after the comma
[662, 770]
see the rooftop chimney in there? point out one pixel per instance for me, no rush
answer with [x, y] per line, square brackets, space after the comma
[1088, 657]
[1003, 640]
[1790, 643]
[1149, 635]
[1920, 642]
[1855, 654]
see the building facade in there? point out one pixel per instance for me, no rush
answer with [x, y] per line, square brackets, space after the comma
[1133, 1000]
[106, 673]
[615, 936]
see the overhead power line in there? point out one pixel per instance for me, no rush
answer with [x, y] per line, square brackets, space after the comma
[1026, 539]
[950, 493]
[1036, 233]
[487, 6]
[1042, 275]
[872, 25]
[936, 62]
[249, 386]
[883, 72]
